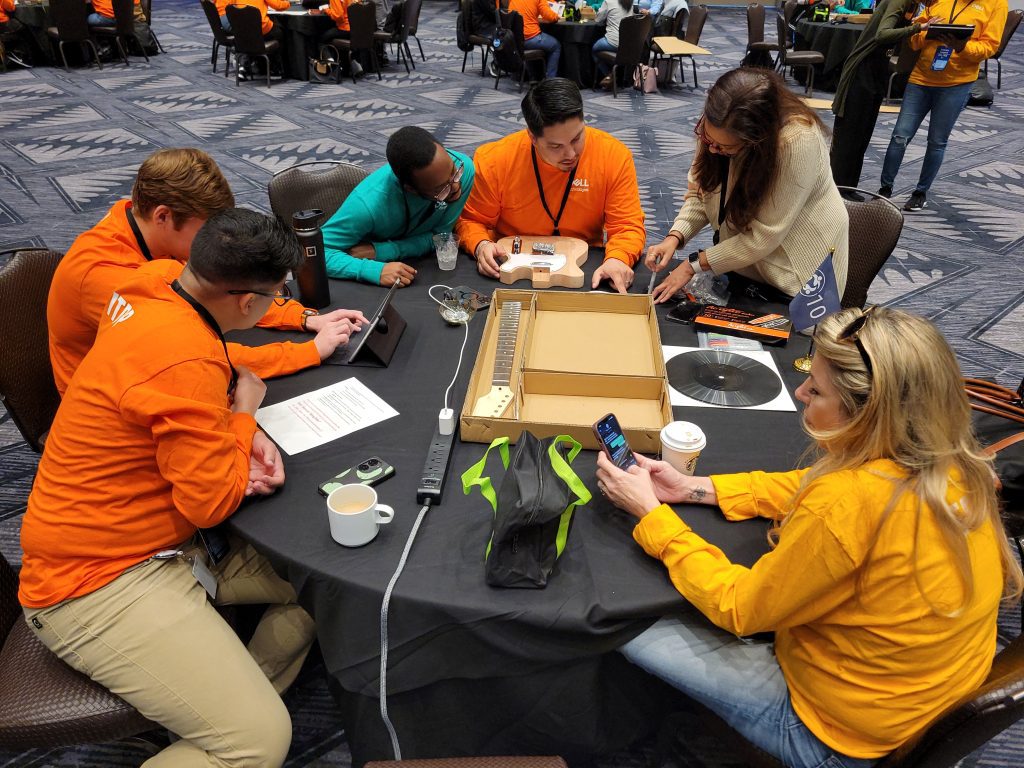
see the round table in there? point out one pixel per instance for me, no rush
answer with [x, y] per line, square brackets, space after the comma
[577, 39]
[301, 40]
[835, 41]
[475, 669]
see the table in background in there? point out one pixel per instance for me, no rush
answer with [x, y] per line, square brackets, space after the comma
[300, 42]
[36, 17]
[577, 39]
[835, 41]
[474, 669]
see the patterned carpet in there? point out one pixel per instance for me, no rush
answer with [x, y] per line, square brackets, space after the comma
[71, 143]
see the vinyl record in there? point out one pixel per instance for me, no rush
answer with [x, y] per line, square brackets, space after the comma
[723, 378]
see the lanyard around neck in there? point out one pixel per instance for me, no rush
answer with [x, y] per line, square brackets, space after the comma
[427, 213]
[138, 234]
[543, 200]
[953, 18]
[209, 319]
[723, 206]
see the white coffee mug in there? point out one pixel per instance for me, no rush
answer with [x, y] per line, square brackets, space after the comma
[355, 514]
[681, 444]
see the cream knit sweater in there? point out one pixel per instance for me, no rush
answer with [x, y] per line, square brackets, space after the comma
[800, 221]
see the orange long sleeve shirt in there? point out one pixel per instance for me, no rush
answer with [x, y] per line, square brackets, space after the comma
[338, 11]
[867, 661]
[105, 257]
[604, 196]
[106, 7]
[261, 6]
[6, 8]
[988, 18]
[532, 12]
[144, 448]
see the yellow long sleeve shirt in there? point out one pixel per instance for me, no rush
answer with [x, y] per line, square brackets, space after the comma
[988, 18]
[868, 663]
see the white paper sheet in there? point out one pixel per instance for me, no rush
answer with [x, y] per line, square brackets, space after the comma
[783, 402]
[323, 415]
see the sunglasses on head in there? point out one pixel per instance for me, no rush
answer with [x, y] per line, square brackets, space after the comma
[851, 333]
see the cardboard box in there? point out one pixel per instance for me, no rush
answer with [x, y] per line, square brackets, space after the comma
[578, 356]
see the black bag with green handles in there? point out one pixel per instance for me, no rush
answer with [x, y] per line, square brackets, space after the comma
[532, 508]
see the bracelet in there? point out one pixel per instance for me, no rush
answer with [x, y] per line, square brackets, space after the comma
[678, 237]
[476, 250]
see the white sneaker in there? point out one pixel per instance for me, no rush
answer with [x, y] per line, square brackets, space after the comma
[357, 69]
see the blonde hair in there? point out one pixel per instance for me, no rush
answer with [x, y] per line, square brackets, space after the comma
[910, 407]
[186, 180]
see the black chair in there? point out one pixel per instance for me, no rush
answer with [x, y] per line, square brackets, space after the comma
[362, 20]
[632, 50]
[27, 390]
[247, 27]
[466, 6]
[794, 59]
[755, 30]
[698, 15]
[473, 762]
[409, 19]
[124, 30]
[901, 64]
[298, 189]
[1013, 19]
[147, 12]
[44, 703]
[875, 227]
[513, 21]
[220, 36]
[413, 26]
[71, 20]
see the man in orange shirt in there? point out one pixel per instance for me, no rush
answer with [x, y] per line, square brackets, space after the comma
[175, 191]
[557, 177]
[156, 438]
[532, 11]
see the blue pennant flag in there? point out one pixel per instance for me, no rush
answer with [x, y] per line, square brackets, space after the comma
[817, 299]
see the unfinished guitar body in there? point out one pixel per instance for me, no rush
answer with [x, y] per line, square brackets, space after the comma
[561, 270]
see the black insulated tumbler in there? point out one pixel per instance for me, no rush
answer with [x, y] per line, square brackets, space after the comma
[314, 289]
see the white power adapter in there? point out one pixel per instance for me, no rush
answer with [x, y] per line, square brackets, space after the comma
[446, 421]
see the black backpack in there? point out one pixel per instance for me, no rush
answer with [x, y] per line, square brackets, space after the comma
[981, 92]
[461, 35]
[503, 47]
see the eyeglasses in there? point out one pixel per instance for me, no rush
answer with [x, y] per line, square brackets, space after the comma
[280, 298]
[852, 333]
[455, 179]
[700, 133]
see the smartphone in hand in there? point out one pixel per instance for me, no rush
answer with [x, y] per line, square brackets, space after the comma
[613, 442]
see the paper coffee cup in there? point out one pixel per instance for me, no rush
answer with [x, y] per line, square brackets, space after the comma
[681, 444]
[355, 515]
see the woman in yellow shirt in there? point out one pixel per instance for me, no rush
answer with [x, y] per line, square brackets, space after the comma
[881, 588]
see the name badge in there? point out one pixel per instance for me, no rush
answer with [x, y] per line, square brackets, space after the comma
[942, 54]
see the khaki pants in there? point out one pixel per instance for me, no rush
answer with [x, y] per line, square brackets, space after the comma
[152, 637]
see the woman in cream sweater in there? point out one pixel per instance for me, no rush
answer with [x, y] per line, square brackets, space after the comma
[782, 213]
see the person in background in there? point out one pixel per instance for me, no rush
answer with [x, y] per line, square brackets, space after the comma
[393, 214]
[650, 7]
[611, 14]
[862, 87]
[175, 192]
[337, 10]
[15, 36]
[850, 7]
[532, 12]
[558, 176]
[155, 439]
[889, 558]
[666, 17]
[760, 177]
[940, 86]
[103, 13]
[269, 29]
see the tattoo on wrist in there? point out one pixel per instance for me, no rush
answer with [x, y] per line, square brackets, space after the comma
[698, 494]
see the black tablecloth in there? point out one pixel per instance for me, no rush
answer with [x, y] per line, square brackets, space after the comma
[577, 39]
[836, 41]
[474, 669]
[300, 42]
[36, 17]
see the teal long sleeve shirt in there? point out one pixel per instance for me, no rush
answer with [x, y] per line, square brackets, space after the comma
[397, 222]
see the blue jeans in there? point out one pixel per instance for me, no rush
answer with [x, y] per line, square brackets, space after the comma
[224, 23]
[945, 105]
[99, 20]
[600, 67]
[738, 680]
[551, 47]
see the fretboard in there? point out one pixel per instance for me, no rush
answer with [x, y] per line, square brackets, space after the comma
[508, 331]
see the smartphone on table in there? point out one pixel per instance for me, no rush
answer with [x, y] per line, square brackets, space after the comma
[369, 472]
[613, 442]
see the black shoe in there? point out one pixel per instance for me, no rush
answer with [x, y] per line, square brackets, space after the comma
[918, 201]
[241, 75]
[885, 191]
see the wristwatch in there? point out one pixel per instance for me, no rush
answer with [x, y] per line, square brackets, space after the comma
[694, 259]
[306, 314]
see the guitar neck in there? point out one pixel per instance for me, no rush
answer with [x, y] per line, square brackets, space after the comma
[508, 332]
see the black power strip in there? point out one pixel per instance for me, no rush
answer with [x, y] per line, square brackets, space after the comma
[436, 468]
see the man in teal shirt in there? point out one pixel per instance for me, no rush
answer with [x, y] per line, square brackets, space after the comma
[395, 211]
